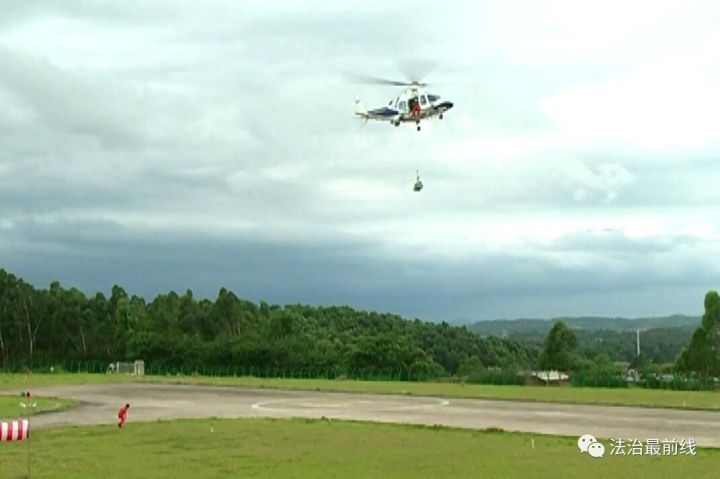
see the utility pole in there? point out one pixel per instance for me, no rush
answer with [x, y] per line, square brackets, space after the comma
[638, 342]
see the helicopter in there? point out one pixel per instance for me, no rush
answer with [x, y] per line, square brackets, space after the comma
[411, 105]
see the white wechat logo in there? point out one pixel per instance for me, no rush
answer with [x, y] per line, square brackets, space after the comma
[588, 443]
[596, 449]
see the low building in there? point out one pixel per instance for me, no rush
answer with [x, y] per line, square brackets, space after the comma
[547, 377]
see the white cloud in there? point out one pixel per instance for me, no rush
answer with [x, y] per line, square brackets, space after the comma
[605, 178]
[660, 106]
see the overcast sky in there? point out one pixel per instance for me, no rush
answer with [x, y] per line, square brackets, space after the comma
[182, 144]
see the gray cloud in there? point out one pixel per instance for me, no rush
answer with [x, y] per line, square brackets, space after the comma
[69, 103]
[169, 145]
[346, 272]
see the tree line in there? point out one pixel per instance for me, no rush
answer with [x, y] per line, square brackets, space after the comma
[59, 323]
[700, 356]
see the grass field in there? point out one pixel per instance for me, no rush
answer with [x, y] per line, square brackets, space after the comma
[10, 406]
[616, 397]
[21, 382]
[266, 448]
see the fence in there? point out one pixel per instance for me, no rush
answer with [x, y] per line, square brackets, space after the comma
[490, 376]
[159, 369]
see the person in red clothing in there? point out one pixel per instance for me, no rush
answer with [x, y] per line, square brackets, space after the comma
[414, 106]
[122, 415]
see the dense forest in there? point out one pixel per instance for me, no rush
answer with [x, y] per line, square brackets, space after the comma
[59, 323]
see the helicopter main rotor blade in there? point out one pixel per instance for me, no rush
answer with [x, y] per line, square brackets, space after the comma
[383, 81]
[414, 69]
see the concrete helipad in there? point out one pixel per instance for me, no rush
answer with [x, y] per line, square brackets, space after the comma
[99, 404]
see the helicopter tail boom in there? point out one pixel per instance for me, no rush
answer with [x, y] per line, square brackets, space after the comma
[383, 114]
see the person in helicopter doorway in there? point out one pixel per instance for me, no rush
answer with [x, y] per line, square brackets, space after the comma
[414, 106]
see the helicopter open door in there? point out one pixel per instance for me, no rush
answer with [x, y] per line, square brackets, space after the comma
[414, 103]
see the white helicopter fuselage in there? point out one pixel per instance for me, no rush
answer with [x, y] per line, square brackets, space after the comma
[412, 105]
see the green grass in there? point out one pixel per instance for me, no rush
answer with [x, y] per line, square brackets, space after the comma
[10, 406]
[616, 397]
[19, 382]
[267, 448]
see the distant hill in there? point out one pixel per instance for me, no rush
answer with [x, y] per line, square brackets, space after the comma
[504, 327]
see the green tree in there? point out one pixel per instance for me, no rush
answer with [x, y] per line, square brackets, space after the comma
[559, 349]
[702, 355]
[602, 364]
[471, 366]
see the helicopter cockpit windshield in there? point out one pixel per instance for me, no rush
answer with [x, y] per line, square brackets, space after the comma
[433, 98]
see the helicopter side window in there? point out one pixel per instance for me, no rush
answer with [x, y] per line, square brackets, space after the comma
[402, 106]
[423, 100]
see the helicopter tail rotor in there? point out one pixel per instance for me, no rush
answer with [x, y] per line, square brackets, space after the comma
[360, 108]
[361, 112]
